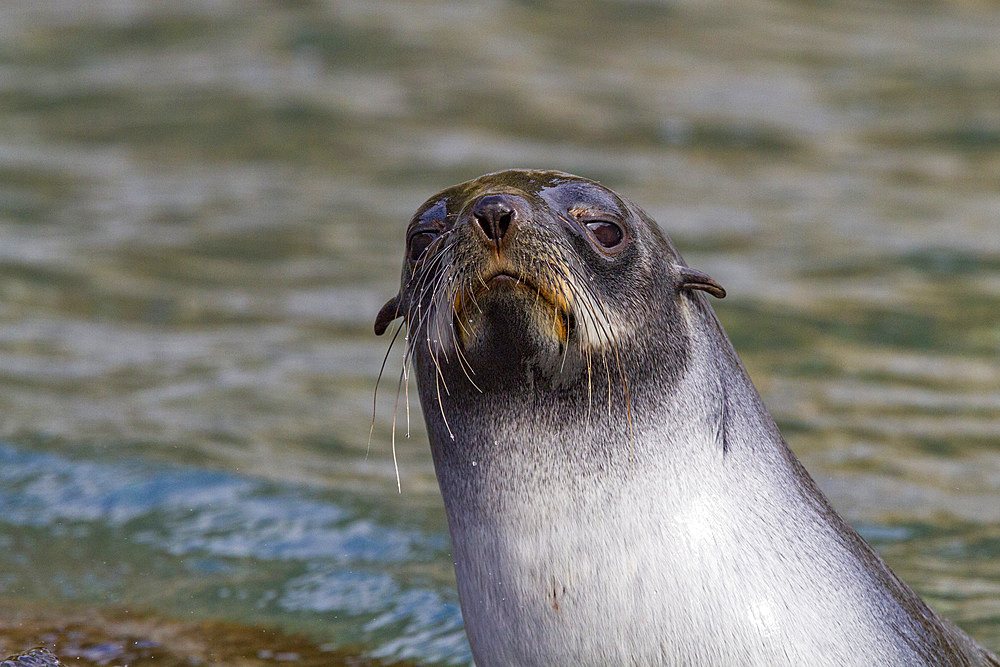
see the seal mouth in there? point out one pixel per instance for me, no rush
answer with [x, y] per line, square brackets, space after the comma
[506, 280]
[552, 311]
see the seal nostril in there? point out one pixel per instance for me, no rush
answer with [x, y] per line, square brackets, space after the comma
[494, 214]
[502, 224]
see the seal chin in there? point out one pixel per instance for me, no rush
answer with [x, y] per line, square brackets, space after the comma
[508, 309]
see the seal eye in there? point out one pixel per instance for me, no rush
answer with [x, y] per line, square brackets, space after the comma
[418, 244]
[608, 234]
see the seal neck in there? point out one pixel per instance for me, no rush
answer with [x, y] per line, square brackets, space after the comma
[637, 408]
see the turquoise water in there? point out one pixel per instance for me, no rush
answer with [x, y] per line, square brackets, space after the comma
[193, 541]
[202, 208]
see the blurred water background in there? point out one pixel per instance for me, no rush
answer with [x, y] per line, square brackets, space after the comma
[202, 207]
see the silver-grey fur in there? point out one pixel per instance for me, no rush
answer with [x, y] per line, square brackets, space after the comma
[630, 500]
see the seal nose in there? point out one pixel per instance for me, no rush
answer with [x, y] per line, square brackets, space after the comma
[494, 213]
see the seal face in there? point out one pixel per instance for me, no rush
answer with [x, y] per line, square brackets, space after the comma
[616, 491]
[526, 268]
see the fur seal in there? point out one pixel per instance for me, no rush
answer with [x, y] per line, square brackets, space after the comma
[616, 491]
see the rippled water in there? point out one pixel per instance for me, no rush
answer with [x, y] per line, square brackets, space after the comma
[201, 210]
[222, 543]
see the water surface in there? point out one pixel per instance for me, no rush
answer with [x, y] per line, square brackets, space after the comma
[201, 211]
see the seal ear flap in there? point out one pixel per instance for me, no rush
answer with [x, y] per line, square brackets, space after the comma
[389, 312]
[688, 278]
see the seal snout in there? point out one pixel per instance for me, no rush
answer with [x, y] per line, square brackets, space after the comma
[497, 215]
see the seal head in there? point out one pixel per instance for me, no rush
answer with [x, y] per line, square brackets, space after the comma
[526, 269]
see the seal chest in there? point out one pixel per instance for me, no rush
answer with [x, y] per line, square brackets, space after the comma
[616, 491]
